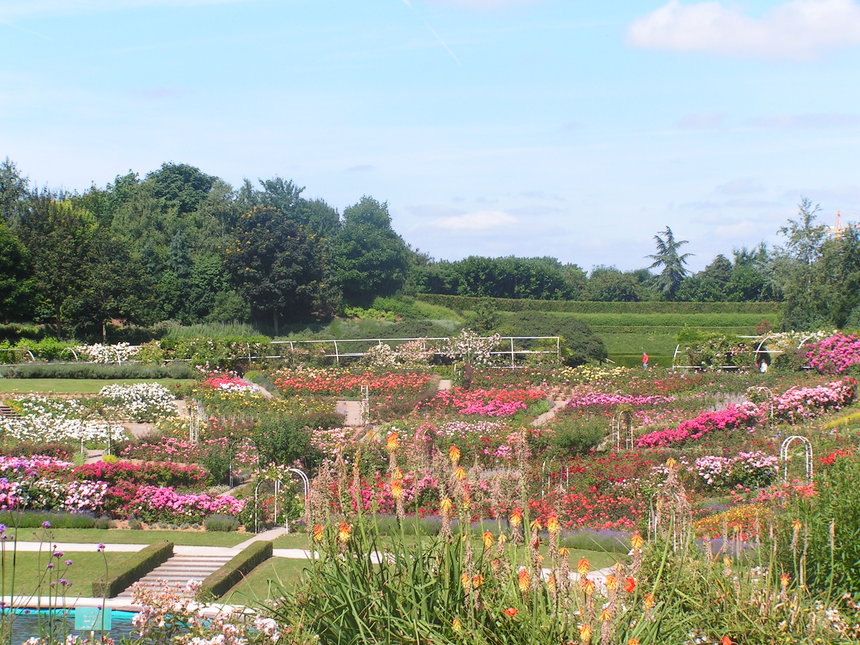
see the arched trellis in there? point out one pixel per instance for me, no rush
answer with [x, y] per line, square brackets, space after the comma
[621, 430]
[771, 397]
[306, 485]
[807, 454]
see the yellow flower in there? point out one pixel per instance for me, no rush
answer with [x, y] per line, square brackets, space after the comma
[585, 634]
[536, 526]
[636, 541]
[583, 567]
[318, 533]
[445, 506]
[460, 473]
[488, 539]
[457, 625]
[454, 454]
[391, 442]
[649, 600]
[552, 525]
[633, 641]
[466, 581]
[588, 586]
[516, 517]
[523, 579]
[477, 580]
[564, 552]
[344, 533]
[611, 581]
[396, 489]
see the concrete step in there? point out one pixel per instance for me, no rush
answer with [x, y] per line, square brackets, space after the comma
[177, 571]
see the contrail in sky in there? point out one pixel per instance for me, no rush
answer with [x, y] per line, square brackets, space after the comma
[438, 38]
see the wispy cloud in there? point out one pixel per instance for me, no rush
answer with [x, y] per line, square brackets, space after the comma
[797, 29]
[477, 221]
[744, 186]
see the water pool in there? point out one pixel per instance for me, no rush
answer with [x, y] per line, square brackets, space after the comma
[25, 623]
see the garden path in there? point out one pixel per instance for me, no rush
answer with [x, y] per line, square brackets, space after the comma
[547, 416]
[351, 410]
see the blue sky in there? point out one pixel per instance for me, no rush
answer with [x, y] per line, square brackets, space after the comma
[491, 127]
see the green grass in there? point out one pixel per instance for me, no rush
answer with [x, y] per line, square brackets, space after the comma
[127, 536]
[287, 572]
[257, 586]
[31, 574]
[75, 386]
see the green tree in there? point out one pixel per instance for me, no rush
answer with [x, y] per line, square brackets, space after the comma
[279, 269]
[14, 193]
[797, 273]
[17, 286]
[668, 257]
[608, 284]
[370, 258]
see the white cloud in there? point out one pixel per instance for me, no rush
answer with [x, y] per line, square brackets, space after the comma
[25, 8]
[477, 221]
[797, 29]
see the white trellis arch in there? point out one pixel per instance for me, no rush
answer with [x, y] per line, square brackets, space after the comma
[807, 454]
[306, 485]
[621, 430]
[771, 397]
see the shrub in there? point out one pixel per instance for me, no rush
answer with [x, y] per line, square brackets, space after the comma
[219, 582]
[58, 450]
[132, 569]
[222, 523]
[575, 439]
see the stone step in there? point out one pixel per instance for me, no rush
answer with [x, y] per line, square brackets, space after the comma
[178, 571]
[9, 413]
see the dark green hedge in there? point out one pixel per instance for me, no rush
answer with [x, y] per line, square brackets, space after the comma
[97, 371]
[133, 569]
[466, 303]
[221, 581]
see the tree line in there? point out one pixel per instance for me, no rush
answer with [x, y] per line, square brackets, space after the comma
[179, 244]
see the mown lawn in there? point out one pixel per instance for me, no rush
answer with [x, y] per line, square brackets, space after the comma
[30, 575]
[75, 386]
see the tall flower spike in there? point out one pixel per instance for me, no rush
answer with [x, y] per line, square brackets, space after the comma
[391, 442]
[454, 454]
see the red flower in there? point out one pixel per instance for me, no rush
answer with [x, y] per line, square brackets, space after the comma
[510, 612]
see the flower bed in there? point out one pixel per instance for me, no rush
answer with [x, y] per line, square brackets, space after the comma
[835, 354]
[746, 415]
[161, 503]
[139, 401]
[348, 384]
[483, 403]
[53, 420]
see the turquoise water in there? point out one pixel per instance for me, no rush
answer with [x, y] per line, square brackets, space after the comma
[60, 622]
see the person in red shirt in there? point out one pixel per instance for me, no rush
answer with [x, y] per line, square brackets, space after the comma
[644, 361]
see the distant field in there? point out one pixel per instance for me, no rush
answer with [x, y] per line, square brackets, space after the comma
[74, 386]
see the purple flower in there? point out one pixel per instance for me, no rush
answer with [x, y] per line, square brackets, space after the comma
[50, 565]
[68, 563]
[46, 524]
[100, 547]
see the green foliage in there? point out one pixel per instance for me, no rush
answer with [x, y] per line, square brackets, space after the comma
[132, 569]
[221, 523]
[219, 582]
[579, 342]
[672, 262]
[285, 440]
[370, 258]
[826, 548]
[572, 439]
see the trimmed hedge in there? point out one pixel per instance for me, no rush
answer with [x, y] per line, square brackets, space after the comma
[98, 371]
[469, 303]
[221, 581]
[133, 569]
